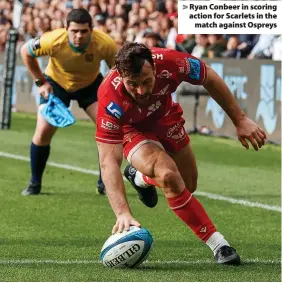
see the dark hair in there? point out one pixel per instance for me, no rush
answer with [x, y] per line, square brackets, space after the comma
[131, 57]
[80, 16]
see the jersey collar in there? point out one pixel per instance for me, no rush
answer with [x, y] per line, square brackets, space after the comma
[79, 50]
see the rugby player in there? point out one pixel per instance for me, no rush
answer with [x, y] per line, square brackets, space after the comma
[137, 118]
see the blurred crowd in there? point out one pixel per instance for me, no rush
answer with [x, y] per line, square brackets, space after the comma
[152, 22]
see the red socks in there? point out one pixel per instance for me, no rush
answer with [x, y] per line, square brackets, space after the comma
[191, 212]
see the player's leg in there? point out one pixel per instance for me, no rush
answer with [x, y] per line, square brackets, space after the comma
[39, 153]
[186, 164]
[152, 161]
[87, 100]
[178, 143]
[155, 163]
[40, 145]
[91, 111]
[132, 142]
[187, 167]
[163, 170]
[173, 137]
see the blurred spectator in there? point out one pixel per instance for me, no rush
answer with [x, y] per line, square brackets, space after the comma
[110, 24]
[152, 39]
[100, 22]
[170, 7]
[103, 5]
[232, 48]
[189, 42]
[56, 24]
[46, 24]
[143, 24]
[30, 30]
[201, 47]
[150, 6]
[95, 10]
[110, 11]
[121, 25]
[118, 38]
[172, 33]
[132, 32]
[264, 47]
[161, 6]
[120, 11]
[143, 13]
[277, 49]
[139, 29]
[134, 9]
[216, 46]
[38, 26]
[247, 43]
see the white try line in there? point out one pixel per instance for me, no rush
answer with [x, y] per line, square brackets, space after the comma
[150, 262]
[204, 194]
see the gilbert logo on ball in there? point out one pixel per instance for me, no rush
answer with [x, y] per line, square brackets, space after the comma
[127, 249]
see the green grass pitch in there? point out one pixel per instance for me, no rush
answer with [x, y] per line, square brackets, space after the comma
[58, 235]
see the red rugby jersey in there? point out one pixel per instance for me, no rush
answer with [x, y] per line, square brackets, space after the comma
[117, 110]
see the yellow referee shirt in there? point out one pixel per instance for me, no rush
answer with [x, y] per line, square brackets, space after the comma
[70, 68]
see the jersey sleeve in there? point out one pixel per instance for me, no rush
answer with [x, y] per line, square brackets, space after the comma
[189, 68]
[109, 119]
[41, 46]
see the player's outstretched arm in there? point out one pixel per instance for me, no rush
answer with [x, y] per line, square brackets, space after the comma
[35, 71]
[110, 156]
[246, 129]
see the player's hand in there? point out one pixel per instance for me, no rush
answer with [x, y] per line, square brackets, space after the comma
[45, 89]
[124, 221]
[249, 130]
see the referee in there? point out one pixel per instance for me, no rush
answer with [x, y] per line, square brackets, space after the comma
[72, 73]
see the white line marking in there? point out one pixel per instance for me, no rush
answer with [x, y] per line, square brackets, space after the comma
[53, 164]
[169, 262]
[204, 194]
[240, 201]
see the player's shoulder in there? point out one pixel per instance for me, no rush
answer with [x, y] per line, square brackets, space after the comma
[57, 35]
[111, 95]
[166, 62]
[101, 38]
[48, 43]
[178, 63]
[162, 55]
[111, 87]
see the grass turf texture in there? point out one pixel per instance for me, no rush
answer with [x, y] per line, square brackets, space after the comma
[68, 223]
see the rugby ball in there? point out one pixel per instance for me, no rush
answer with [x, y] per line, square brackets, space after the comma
[127, 249]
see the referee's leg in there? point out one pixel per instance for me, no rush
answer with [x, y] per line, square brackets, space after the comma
[39, 153]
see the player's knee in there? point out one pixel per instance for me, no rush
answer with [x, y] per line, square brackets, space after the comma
[170, 180]
[40, 140]
[42, 137]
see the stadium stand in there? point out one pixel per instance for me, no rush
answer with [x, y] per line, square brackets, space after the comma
[153, 22]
